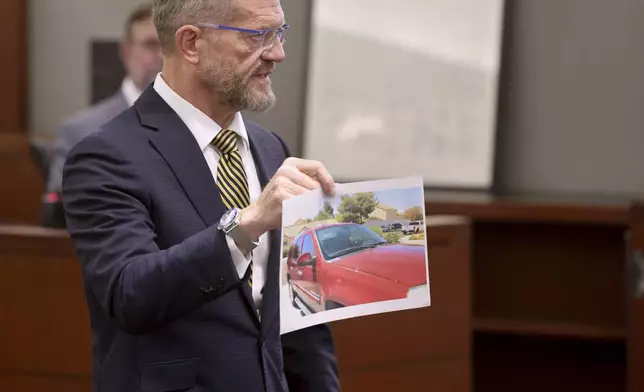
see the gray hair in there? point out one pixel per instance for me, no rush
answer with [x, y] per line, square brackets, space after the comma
[170, 15]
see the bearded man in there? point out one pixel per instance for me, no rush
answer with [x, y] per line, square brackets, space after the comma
[174, 208]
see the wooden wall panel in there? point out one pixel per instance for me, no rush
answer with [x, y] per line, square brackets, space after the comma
[13, 68]
[518, 363]
[22, 187]
[549, 303]
[35, 383]
[45, 334]
[635, 298]
[22, 182]
[636, 347]
[561, 279]
[438, 376]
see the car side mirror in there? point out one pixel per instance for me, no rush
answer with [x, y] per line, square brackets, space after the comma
[305, 259]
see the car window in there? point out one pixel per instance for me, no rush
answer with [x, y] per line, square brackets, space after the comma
[296, 248]
[339, 240]
[307, 245]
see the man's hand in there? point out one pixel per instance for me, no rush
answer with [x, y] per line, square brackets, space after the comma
[295, 177]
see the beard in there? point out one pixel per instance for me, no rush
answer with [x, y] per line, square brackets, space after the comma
[235, 90]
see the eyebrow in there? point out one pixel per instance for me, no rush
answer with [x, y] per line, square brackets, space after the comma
[265, 25]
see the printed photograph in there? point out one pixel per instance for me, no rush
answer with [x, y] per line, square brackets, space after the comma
[361, 247]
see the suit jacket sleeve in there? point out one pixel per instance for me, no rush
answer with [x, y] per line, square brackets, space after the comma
[309, 354]
[140, 286]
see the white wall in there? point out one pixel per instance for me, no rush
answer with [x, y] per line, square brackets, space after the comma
[59, 50]
[572, 97]
[413, 94]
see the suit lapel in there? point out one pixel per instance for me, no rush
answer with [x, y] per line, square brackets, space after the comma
[262, 155]
[174, 141]
[268, 161]
[260, 165]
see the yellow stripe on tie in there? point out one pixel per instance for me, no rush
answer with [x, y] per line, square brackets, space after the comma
[231, 177]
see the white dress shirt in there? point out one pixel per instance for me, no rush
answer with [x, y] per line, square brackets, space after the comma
[204, 129]
[130, 91]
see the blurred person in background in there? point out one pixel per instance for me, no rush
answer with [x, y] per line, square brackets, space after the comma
[142, 59]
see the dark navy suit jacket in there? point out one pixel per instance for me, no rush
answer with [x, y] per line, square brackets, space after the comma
[168, 311]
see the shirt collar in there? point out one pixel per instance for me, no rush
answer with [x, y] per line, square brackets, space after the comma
[130, 91]
[202, 127]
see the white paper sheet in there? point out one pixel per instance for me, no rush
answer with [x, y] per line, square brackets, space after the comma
[368, 253]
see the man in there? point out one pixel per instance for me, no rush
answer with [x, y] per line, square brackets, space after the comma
[175, 207]
[141, 57]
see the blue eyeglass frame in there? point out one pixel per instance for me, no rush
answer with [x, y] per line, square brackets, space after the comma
[281, 31]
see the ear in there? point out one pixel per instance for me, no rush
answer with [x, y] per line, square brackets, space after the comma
[186, 40]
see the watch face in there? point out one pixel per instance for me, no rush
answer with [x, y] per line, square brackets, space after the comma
[228, 218]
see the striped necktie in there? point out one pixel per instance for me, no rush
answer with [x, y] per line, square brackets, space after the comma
[231, 177]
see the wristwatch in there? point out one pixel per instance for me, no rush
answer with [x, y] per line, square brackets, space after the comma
[229, 224]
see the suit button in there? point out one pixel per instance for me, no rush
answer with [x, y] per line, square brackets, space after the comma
[207, 289]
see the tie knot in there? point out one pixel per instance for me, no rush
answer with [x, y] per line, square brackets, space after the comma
[226, 141]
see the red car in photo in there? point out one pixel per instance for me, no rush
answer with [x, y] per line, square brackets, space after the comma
[348, 264]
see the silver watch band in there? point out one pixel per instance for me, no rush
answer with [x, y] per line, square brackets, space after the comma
[238, 234]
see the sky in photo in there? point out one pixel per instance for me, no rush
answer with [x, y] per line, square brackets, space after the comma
[400, 199]
[309, 206]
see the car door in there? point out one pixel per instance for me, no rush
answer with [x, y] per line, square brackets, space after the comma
[306, 272]
[292, 274]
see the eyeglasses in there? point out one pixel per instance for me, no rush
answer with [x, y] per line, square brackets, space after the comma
[264, 39]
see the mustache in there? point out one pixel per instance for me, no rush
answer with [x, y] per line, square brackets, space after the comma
[262, 69]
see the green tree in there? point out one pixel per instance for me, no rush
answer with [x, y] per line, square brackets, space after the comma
[414, 213]
[358, 207]
[392, 237]
[328, 208]
[325, 213]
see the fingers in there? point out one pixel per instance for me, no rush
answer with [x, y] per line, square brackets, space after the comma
[298, 178]
[315, 170]
[293, 178]
[286, 184]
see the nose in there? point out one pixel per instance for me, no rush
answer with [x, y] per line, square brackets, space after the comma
[275, 53]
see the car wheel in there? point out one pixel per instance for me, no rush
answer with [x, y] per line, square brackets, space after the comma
[332, 305]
